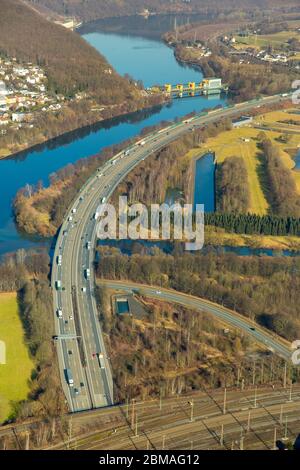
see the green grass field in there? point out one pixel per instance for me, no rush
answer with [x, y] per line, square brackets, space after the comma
[228, 144]
[15, 374]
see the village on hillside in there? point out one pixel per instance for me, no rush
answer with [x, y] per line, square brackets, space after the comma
[24, 92]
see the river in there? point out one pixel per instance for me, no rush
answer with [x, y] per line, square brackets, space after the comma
[143, 58]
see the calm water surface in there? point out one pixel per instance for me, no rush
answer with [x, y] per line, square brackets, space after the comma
[204, 192]
[144, 59]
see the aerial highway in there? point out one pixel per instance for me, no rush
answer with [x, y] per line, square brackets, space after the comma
[84, 366]
[264, 337]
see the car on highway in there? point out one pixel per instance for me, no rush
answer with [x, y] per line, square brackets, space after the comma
[83, 289]
[158, 292]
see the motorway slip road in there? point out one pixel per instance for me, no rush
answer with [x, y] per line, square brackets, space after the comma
[262, 336]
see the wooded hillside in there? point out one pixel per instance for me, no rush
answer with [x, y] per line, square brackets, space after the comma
[92, 9]
[70, 63]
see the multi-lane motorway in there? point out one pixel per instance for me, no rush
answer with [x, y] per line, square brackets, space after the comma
[80, 345]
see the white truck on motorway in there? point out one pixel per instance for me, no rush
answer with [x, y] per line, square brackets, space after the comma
[101, 361]
[59, 260]
[142, 143]
[87, 273]
[58, 285]
[69, 378]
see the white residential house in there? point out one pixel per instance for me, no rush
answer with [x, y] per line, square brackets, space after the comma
[31, 81]
[17, 117]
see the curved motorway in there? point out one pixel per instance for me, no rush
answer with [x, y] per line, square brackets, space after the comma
[80, 346]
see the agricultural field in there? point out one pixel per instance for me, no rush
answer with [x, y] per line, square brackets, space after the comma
[243, 142]
[16, 372]
[278, 41]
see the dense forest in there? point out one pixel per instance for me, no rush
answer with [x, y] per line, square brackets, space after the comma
[232, 186]
[254, 224]
[46, 396]
[282, 191]
[92, 9]
[265, 289]
[16, 269]
[171, 350]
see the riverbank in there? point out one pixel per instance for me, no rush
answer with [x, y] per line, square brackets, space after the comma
[80, 121]
[245, 81]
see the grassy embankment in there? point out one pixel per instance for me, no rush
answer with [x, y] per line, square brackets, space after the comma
[15, 374]
[232, 143]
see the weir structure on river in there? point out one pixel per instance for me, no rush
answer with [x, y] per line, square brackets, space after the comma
[208, 86]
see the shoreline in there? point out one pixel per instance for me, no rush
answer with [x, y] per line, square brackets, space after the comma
[44, 142]
[24, 148]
